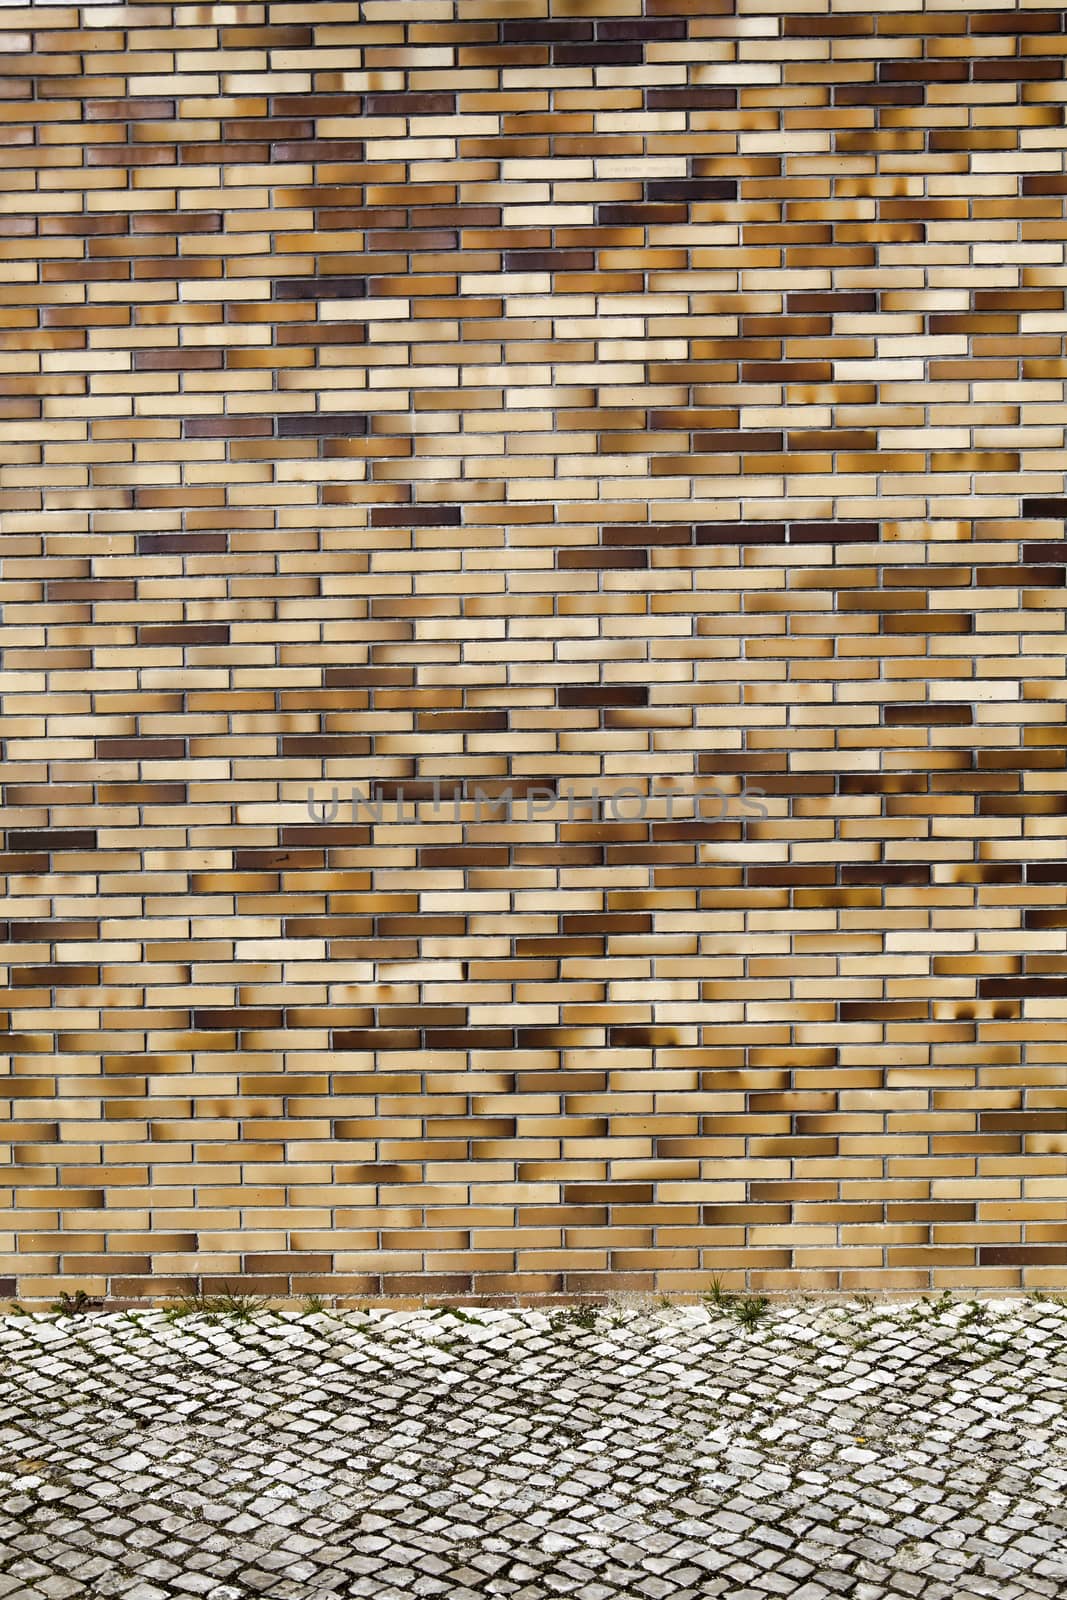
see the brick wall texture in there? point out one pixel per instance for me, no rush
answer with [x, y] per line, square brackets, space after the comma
[534, 646]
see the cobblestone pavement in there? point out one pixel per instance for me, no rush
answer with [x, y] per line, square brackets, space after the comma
[644, 1452]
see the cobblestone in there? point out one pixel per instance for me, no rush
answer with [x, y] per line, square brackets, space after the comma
[662, 1454]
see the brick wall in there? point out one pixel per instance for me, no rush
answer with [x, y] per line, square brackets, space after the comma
[464, 411]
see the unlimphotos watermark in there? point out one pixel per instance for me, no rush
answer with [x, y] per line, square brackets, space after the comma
[627, 803]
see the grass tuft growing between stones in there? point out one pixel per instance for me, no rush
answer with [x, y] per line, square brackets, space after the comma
[751, 1311]
[227, 1303]
[78, 1304]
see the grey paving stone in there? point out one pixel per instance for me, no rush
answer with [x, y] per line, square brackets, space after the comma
[660, 1455]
